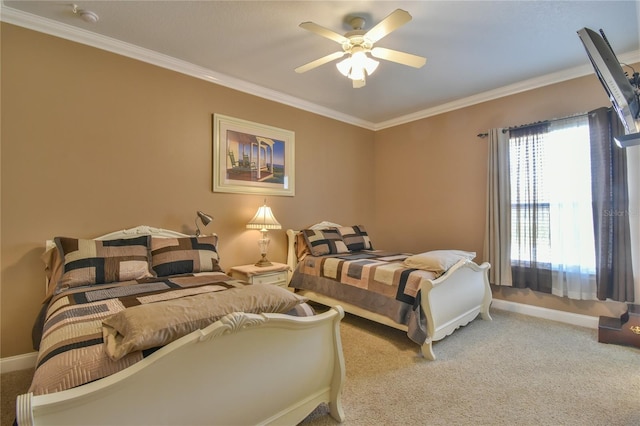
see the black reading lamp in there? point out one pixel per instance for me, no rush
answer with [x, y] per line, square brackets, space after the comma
[204, 218]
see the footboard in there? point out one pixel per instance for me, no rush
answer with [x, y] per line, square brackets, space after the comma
[244, 369]
[455, 299]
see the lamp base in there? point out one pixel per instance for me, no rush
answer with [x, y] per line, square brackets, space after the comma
[263, 262]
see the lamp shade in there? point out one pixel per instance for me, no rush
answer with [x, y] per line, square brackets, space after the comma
[205, 218]
[344, 66]
[264, 220]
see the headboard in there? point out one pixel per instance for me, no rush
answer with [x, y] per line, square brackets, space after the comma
[124, 233]
[292, 258]
[131, 233]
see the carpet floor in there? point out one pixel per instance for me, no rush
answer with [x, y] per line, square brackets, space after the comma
[514, 370]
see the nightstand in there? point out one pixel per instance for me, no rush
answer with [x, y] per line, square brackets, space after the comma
[277, 274]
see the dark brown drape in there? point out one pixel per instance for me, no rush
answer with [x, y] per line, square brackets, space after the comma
[610, 198]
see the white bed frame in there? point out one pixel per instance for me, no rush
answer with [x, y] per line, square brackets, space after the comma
[245, 369]
[449, 302]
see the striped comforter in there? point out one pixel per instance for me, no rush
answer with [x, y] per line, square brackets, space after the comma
[72, 350]
[370, 279]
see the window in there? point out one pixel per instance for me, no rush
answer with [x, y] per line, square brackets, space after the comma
[551, 211]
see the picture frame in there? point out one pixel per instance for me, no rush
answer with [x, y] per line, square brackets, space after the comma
[252, 158]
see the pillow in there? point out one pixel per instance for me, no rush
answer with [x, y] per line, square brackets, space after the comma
[53, 267]
[92, 262]
[188, 255]
[438, 260]
[326, 241]
[302, 250]
[355, 237]
[155, 324]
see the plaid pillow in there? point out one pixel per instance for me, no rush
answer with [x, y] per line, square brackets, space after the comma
[326, 241]
[355, 237]
[92, 262]
[302, 248]
[174, 256]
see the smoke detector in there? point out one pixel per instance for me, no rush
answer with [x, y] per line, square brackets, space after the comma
[86, 15]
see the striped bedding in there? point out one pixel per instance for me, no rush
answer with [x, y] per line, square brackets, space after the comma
[374, 280]
[72, 352]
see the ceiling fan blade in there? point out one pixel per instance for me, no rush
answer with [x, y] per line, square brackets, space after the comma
[324, 32]
[395, 20]
[313, 64]
[399, 57]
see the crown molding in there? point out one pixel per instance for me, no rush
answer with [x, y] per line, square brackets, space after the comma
[68, 32]
[512, 89]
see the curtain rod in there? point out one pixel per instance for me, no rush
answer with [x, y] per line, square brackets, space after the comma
[524, 126]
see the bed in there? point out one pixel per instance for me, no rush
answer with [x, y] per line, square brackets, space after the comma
[141, 326]
[429, 295]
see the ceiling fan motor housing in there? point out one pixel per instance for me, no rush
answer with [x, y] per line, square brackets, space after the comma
[356, 38]
[357, 23]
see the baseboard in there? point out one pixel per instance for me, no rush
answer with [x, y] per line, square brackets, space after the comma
[18, 362]
[546, 313]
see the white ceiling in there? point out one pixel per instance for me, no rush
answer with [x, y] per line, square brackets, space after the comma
[475, 50]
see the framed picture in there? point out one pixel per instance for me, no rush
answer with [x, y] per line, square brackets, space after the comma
[252, 158]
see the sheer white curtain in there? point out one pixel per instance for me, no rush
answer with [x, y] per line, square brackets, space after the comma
[567, 180]
[551, 247]
[497, 236]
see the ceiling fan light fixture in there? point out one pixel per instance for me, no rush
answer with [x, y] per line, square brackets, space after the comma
[361, 62]
[357, 73]
[370, 65]
[358, 83]
[356, 65]
[344, 66]
[358, 58]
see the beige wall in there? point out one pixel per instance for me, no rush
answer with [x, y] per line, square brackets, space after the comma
[431, 177]
[93, 142]
[431, 173]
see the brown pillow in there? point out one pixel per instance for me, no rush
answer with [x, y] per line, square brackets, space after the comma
[188, 255]
[355, 237]
[53, 267]
[92, 262]
[156, 324]
[326, 241]
[301, 246]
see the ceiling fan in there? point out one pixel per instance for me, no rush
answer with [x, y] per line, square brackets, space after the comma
[358, 42]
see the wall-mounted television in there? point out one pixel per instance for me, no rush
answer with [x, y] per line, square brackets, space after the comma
[624, 97]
